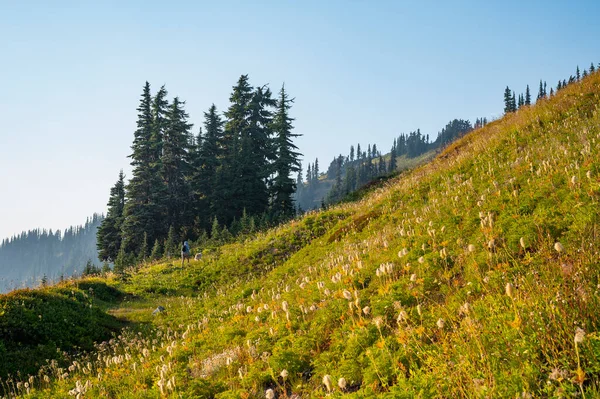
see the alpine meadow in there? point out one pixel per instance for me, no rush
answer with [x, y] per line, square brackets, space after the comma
[469, 271]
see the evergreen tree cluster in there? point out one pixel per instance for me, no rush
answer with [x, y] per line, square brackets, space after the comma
[234, 175]
[512, 104]
[39, 255]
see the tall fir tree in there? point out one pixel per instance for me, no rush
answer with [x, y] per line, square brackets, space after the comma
[143, 213]
[507, 100]
[109, 235]
[527, 96]
[228, 190]
[205, 168]
[287, 159]
[175, 166]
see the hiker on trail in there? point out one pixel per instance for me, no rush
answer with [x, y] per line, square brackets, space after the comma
[185, 253]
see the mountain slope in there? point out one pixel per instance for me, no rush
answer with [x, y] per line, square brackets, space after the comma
[475, 275]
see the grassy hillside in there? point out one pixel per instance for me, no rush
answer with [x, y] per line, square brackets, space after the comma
[475, 275]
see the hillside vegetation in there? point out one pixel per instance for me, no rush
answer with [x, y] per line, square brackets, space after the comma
[475, 275]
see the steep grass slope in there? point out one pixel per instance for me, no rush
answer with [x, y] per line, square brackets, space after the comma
[475, 275]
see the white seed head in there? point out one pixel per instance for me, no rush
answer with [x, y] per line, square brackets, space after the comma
[284, 374]
[413, 277]
[342, 383]
[471, 248]
[327, 382]
[284, 306]
[559, 247]
[269, 394]
[366, 310]
[579, 335]
[522, 242]
[347, 294]
[440, 323]
[509, 289]
[402, 316]
[421, 260]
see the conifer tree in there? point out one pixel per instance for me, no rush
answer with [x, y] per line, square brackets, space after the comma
[584, 73]
[144, 211]
[393, 163]
[513, 103]
[171, 243]
[109, 235]
[286, 161]
[205, 168]
[175, 166]
[578, 74]
[316, 170]
[540, 91]
[592, 69]
[527, 96]
[228, 187]
[507, 100]
[156, 253]
[143, 253]
[521, 101]
[545, 92]
[351, 153]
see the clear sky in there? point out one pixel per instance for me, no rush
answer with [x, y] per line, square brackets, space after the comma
[361, 71]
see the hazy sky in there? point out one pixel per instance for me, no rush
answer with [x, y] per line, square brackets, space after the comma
[361, 71]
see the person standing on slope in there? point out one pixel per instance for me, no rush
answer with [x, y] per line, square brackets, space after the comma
[185, 253]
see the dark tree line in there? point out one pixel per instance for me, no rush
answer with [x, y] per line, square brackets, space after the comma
[44, 255]
[235, 175]
[512, 104]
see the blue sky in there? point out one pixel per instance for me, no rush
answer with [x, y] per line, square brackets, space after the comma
[361, 71]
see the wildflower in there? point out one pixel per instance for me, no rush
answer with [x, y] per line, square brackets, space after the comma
[589, 174]
[522, 242]
[440, 323]
[579, 335]
[366, 310]
[378, 321]
[284, 374]
[559, 247]
[413, 277]
[403, 252]
[574, 180]
[402, 316]
[465, 308]
[342, 383]
[347, 294]
[421, 260]
[509, 289]
[327, 382]
[419, 310]
[284, 306]
[249, 309]
[269, 394]
[471, 248]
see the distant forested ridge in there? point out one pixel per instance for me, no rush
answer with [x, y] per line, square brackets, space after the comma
[347, 173]
[26, 259]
